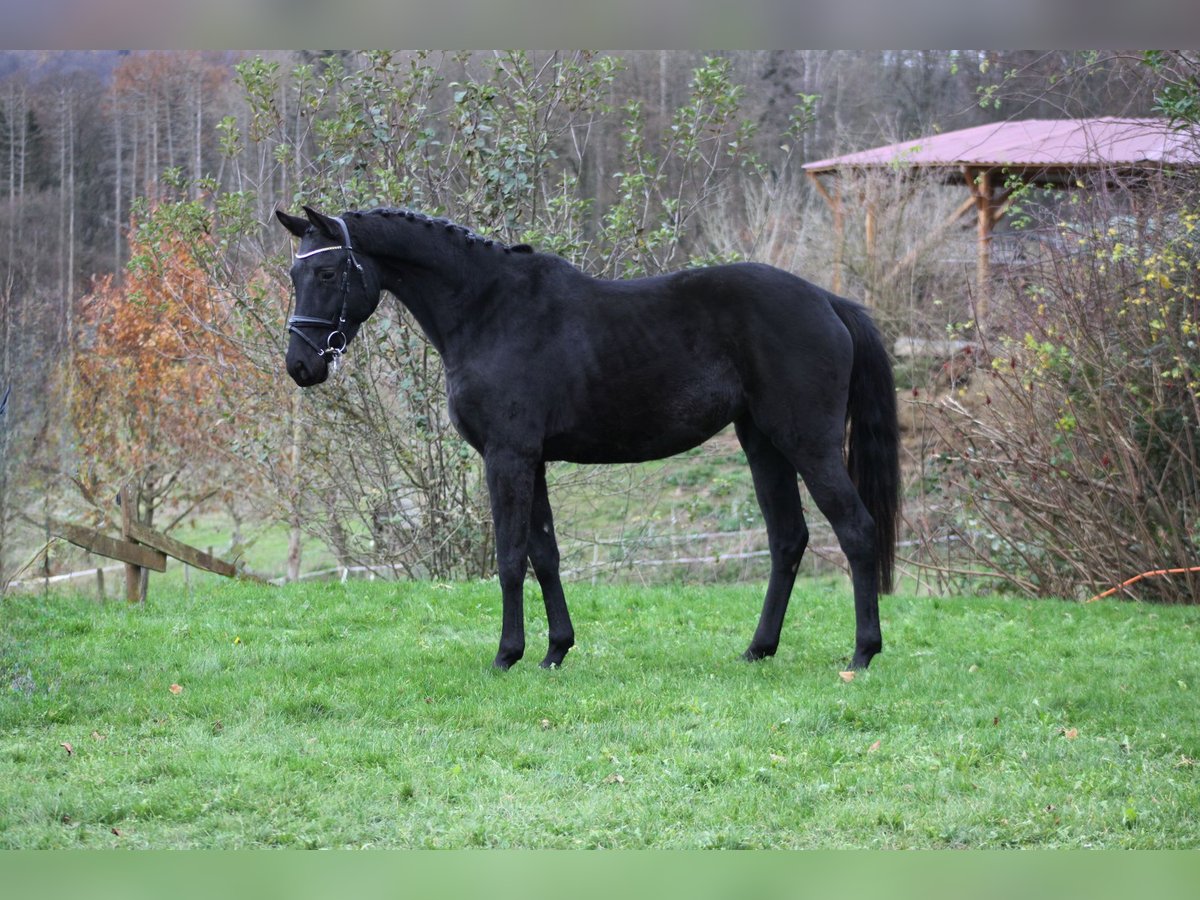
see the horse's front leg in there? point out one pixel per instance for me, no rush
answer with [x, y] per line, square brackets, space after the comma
[543, 553]
[510, 478]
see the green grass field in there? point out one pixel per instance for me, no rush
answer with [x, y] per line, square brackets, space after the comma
[367, 714]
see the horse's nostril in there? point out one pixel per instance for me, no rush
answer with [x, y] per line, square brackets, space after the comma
[300, 373]
[306, 373]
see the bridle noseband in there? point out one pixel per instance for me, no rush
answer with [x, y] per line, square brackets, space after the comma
[335, 343]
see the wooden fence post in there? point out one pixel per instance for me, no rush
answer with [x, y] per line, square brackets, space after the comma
[133, 573]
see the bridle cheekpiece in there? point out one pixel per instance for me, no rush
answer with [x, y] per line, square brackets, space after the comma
[336, 341]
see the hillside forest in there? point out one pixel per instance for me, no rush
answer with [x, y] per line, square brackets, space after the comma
[143, 290]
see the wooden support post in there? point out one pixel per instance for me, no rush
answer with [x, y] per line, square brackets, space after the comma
[839, 240]
[980, 183]
[869, 290]
[100, 584]
[46, 559]
[983, 266]
[133, 572]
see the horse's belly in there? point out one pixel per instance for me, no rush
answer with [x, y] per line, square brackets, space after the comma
[624, 429]
[623, 449]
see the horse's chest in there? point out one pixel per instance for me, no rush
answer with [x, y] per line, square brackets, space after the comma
[483, 410]
[464, 416]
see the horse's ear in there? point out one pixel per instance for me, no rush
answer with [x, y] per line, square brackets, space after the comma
[294, 224]
[324, 223]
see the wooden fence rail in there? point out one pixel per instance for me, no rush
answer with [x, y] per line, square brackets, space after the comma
[141, 548]
[114, 548]
[181, 551]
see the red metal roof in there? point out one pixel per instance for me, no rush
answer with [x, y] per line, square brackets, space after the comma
[1036, 143]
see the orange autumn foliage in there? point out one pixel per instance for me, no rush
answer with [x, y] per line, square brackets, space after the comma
[146, 402]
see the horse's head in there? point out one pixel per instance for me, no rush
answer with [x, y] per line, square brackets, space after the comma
[337, 289]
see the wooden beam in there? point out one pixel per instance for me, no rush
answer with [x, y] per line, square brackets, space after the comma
[839, 228]
[126, 551]
[821, 188]
[180, 550]
[929, 240]
[1000, 205]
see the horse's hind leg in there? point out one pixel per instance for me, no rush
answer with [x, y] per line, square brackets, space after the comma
[824, 472]
[787, 533]
[543, 553]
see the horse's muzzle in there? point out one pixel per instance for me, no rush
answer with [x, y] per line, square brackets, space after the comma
[306, 369]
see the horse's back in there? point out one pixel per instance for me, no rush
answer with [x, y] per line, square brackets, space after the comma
[772, 329]
[647, 368]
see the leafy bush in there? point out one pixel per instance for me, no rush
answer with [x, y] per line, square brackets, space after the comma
[1075, 454]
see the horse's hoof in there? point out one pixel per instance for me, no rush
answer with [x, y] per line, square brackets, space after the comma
[754, 654]
[860, 661]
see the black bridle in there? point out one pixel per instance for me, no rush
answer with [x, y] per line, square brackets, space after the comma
[335, 342]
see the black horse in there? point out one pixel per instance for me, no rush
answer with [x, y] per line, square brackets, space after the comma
[544, 362]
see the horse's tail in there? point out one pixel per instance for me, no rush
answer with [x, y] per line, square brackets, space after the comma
[873, 455]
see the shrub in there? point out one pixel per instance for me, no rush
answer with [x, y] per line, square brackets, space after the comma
[1076, 451]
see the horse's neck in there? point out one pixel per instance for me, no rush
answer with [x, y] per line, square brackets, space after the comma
[442, 274]
[435, 282]
[421, 299]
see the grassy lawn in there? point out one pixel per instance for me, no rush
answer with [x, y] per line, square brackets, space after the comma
[330, 715]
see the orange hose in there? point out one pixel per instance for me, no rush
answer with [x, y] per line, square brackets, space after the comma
[1136, 578]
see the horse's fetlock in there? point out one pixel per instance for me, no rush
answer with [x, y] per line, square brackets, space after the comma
[562, 639]
[508, 656]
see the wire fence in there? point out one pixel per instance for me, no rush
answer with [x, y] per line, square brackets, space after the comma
[649, 556]
[642, 556]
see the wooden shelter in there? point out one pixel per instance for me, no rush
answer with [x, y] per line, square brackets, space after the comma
[989, 159]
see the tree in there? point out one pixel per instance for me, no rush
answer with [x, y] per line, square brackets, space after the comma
[145, 364]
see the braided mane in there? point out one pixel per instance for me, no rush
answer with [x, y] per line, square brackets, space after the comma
[411, 215]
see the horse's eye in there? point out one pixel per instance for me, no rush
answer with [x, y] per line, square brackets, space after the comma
[325, 275]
